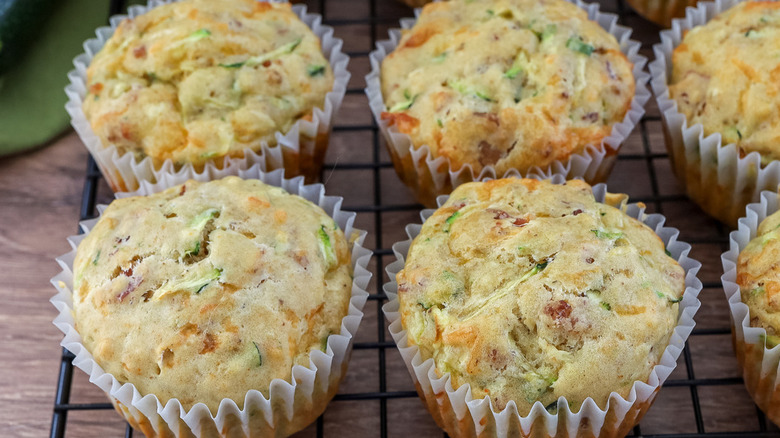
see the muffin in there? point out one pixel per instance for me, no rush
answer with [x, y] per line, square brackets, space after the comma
[414, 3]
[661, 12]
[504, 85]
[721, 84]
[237, 285]
[199, 82]
[752, 282]
[536, 296]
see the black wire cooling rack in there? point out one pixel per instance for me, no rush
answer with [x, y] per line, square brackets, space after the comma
[713, 403]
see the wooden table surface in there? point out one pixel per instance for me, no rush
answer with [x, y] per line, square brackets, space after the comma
[40, 194]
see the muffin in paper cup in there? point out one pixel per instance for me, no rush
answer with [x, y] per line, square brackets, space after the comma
[429, 176]
[415, 3]
[757, 357]
[299, 151]
[462, 413]
[661, 12]
[713, 173]
[291, 405]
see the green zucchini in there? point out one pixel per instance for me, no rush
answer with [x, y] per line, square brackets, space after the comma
[20, 22]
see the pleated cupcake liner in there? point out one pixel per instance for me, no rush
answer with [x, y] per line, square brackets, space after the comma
[300, 151]
[290, 405]
[461, 415]
[429, 176]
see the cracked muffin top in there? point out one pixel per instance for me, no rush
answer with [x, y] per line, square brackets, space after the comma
[205, 291]
[200, 79]
[529, 291]
[758, 277]
[723, 77]
[506, 83]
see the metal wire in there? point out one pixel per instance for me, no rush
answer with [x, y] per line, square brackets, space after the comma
[62, 405]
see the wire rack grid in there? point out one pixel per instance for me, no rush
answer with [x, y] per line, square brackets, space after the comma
[704, 397]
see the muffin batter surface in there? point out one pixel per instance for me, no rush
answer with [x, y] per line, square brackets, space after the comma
[529, 291]
[506, 83]
[205, 291]
[726, 76]
[201, 79]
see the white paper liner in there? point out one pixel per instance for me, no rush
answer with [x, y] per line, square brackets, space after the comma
[290, 405]
[300, 151]
[430, 176]
[713, 174]
[759, 364]
[456, 410]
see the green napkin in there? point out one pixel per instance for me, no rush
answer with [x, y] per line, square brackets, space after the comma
[32, 96]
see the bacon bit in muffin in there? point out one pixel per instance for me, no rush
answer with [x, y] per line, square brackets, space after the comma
[519, 222]
[558, 310]
[140, 52]
[488, 155]
[96, 88]
[301, 259]
[591, 117]
[131, 286]
[490, 116]
[500, 214]
[126, 133]
[209, 344]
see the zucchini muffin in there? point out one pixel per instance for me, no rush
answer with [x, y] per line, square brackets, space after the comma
[758, 277]
[509, 84]
[723, 78]
[227, 284]
[751, 282]
[661, 12]
[198, 80]
[528, 291]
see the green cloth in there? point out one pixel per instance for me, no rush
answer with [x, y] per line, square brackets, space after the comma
[32, 96]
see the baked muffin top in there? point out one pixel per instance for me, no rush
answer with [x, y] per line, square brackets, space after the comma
[205, 291]
[506, 83]
[200, 79]
[758, 277]
[724, 77]
[529, 291]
